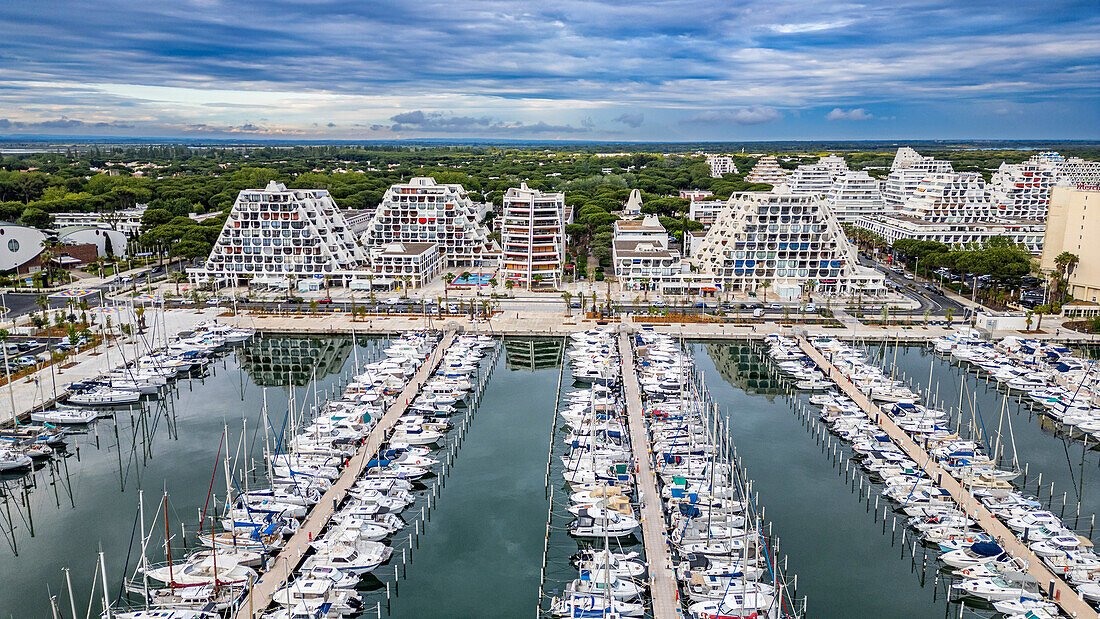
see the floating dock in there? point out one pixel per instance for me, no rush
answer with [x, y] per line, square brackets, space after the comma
[284, 564]
[1059, 591]
[662, 579]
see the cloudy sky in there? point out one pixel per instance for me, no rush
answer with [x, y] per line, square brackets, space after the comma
[629, 70]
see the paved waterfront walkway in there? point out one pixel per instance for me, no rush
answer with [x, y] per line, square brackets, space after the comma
[1063, 594]
[545, 324]
[33, 390]
[283, 566]
[662, 579]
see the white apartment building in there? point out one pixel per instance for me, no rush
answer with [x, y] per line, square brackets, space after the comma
[786, 240]
[955, 209]
[705, 211]
[641, 255]
[648, 228]
[894, 227]
[721, 164]
[905, 158]
[533, 237]
[401, 265]
[1022, 191]
[835, 164]
[278, 236]
[126, 221]
[424, 211]
[958, 197]
[853, 195]
[810, 179]
[906, 172]
[695, 194]
[767, 170]
[1081, 173]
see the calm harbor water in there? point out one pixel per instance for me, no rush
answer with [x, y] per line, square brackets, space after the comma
[1071, 465]
[89, 500]
[480, 553]
[847, 565]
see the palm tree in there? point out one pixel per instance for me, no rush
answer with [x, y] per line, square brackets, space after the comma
[448, 277]
[406, 281]
[538, 279]
[567, 296]
[42, 302]
[764, 285]
[83, 312]
[949, 315]
[177, 277]
[493, 285]
[1066, 262]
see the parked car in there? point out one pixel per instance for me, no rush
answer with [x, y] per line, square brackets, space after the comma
[811, 308]
[757, 313]
[775, 306]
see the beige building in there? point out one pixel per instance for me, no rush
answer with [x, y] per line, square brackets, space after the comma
[1072, 227]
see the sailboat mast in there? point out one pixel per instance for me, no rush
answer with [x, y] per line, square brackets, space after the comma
[144, 547]
[103, 580]
[168, 545]
[72, 600]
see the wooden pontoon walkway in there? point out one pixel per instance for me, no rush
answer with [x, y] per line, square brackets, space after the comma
[285, 563]
[1061, 593]
[662, 579]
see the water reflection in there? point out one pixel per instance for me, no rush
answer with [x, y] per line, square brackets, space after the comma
[62, 511]
[533, 354]
[743, 364]
[296, 359]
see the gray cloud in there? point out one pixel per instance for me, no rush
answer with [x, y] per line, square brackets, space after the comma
[631, 120]
[439, 122]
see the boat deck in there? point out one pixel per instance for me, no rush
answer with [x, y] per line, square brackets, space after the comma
[662, 579]
[284, 564]
[1060, 591]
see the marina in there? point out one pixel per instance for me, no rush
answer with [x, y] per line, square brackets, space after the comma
[438, 537]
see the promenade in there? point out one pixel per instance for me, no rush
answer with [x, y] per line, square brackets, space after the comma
[662, 579]
[38, 389]
[546, 324]
[1058, 589]
[284, 564]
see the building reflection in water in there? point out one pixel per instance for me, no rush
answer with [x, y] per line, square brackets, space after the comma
[745, 364]
[275, 361]
[533, 353]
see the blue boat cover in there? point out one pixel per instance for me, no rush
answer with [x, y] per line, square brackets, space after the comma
[986, 549]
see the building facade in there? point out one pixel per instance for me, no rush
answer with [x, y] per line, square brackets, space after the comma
[424, 211]
[402, 265]
[853, 195]
[767, 170]
[894, 227]
[278, 236]
[1022, 191]
[705, 211]
[908, 169]
[533, 237]
[126, 221]
[721, 164]
[811, 180]
[1072, 228]
[784, 241]
[835, 164]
